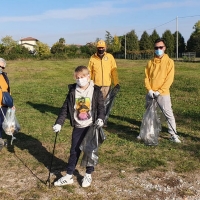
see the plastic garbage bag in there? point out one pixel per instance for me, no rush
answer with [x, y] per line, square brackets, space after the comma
[151, 125]
[10, 124]
[90, 144]
[109, 101]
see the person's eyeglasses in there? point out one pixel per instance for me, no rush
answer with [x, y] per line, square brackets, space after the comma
[160, 47]
[2, 67]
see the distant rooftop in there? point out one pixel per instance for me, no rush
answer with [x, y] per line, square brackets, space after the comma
[29, 39]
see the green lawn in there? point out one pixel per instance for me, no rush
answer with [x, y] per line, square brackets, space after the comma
[39, 89]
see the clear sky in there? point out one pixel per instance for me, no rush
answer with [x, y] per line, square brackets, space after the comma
[82, 21]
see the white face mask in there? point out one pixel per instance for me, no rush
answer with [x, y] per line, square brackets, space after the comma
[82, 81]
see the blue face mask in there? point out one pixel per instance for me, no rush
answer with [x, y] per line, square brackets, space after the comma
[1, 70]
[159, 52]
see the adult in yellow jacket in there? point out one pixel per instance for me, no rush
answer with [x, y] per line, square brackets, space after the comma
[4, 86]
[159, 76]
[103, 69]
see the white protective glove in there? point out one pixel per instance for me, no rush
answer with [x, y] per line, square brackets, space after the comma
[151, 93]
[99, 123]
[57, 128]
[156, 94]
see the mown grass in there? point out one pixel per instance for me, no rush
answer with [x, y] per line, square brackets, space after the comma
[39, 89]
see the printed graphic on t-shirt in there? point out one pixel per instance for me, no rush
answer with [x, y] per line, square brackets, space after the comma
[83, 108]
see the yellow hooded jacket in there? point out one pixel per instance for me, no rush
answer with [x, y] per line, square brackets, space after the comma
[159, 74]
[4, 87]
[103, 71]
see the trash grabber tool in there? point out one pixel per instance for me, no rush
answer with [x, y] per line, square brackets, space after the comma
[164, 113]
[48, 179]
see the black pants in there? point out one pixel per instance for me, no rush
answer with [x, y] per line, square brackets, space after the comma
[77, 136]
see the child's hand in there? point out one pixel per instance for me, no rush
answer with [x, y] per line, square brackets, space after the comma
[57, 128]
[99, 123]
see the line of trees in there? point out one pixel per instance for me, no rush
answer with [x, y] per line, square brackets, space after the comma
[115, 44]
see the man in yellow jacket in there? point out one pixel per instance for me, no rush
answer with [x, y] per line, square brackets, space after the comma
[103, 68]
[159, 76]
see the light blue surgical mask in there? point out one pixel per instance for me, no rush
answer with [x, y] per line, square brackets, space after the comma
[159, 52]
[1, 70]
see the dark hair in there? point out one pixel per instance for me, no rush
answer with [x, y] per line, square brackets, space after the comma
[80, 68]
[160, 40]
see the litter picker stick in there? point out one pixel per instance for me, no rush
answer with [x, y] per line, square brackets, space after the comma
[48, 179]
[164, 114]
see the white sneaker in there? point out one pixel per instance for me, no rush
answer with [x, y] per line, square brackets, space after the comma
[138, 137]
[2, 144]
[175, 138]
[87, 180]
[65, 180]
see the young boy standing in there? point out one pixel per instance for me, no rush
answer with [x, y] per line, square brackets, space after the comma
[84, 105]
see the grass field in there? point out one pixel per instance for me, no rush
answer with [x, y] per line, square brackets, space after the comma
[39, 89]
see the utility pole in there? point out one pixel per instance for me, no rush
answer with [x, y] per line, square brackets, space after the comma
[125, 48]
[177, 38]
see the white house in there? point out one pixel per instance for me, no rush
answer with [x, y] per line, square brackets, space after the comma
[28, 43]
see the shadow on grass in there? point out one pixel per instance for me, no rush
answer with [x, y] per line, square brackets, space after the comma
[34, 147]
[123, 131]
[43, 108]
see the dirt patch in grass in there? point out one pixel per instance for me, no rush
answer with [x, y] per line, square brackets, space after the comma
[22, 179]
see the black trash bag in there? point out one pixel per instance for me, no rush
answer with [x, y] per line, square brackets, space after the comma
[90, 144]
[109, 101]
[151, 125]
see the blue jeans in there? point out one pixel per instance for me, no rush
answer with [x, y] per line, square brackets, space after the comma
[4, 109]
[77, 136]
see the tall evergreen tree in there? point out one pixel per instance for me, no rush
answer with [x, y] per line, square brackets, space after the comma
[132, 43]
[153, 37]
[169, 39]
[193, 44]
[145, 42]
[181, 42]
[108, 40]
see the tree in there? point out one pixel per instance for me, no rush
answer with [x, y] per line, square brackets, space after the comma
[42, 49]
[193, 44]
[145, 42]
[108, 41]
[71, 49]
[197, 27]
[132, 43]
[8, 41]
[88, 49]
[153, 37]
[181, 42]
[169, 40]
[2, 48]
[116, 46]
[58, 47]
[62, 41]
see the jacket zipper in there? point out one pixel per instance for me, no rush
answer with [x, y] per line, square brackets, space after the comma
[102, 72]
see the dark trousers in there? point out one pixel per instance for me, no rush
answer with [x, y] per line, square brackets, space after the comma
[77, 136]
[4, 109]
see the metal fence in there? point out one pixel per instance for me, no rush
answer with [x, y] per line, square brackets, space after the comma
[185, 57]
